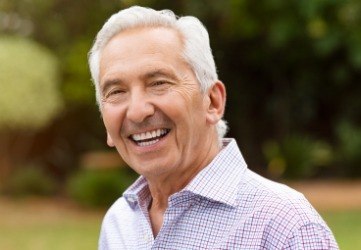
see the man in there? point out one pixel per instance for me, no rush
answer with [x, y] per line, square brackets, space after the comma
[162, 106]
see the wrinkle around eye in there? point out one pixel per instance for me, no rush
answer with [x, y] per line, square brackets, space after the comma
[114, 96]
[160, 87]
[188, 90]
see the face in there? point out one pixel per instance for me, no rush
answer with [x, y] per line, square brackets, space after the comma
[152, 106]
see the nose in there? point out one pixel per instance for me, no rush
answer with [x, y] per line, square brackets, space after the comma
[139, 107]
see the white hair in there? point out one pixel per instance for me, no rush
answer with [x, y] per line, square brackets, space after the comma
[197, 51]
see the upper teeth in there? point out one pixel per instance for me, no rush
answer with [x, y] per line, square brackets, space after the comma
[149, 135]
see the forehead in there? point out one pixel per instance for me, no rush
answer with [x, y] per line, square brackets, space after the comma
[137, 48]
[143, 41]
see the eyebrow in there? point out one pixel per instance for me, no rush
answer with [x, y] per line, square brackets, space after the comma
[159, 73]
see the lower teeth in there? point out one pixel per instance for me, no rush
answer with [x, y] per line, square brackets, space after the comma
[147, 143]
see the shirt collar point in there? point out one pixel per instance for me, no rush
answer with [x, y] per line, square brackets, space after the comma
[132, 199]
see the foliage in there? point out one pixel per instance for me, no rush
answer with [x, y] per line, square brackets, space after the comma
[29, 96]
[30, 180]
[349, 149]
[76, 87]
[99, 188]
[296, 156]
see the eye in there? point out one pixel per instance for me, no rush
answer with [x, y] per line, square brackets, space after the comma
[115, 92]
[114, 95]
[160, 86]
[159, 83]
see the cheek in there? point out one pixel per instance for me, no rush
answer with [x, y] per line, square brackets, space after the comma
[112, 118]
[187, 97]
[188, 111]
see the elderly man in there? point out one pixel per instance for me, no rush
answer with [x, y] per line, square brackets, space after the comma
[162, 106]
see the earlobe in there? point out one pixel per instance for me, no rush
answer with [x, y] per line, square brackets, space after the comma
[217, 102]
[110, 141]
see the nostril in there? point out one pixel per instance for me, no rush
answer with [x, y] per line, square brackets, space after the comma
[139, 111]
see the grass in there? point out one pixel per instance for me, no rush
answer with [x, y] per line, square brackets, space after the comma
[35, 224]
[346, 226]
[30, 225]
[75, 234]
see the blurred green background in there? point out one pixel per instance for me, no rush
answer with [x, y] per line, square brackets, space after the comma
[292, 71]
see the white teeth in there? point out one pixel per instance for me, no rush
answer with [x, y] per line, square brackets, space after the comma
[136, 137]
[147, 136]
[147, 143]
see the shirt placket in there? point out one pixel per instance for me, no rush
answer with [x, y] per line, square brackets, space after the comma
[176, 207]
[146, 236]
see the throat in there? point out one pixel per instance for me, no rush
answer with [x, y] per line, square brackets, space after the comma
[156, 216]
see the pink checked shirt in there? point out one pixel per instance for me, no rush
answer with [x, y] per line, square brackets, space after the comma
[226, 206]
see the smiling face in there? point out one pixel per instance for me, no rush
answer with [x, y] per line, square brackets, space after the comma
[152, 106]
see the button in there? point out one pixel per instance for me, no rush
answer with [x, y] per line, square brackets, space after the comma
[132, 199]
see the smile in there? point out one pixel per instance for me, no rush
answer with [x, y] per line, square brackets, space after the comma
[150, 137]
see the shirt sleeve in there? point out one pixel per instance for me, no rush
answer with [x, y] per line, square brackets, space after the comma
[311, 237]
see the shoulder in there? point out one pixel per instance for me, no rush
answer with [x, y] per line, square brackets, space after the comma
[119, 211]
[284, 215]
[311, 236]
[117, 223]
[274, 198]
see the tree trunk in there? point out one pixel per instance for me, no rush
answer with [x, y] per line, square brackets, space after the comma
[5, 157]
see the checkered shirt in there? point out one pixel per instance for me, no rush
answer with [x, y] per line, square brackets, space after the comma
[226, 206]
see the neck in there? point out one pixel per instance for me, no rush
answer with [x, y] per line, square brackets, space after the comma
[162, 187]
[161, 191]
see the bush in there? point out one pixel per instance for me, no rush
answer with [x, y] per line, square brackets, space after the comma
[99, 187]
[349, 149]
[30, 181]
[297, 157]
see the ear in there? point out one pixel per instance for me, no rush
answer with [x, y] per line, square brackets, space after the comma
[217, 102]
[110, 141]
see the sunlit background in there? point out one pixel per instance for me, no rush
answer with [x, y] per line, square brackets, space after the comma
[292, 71]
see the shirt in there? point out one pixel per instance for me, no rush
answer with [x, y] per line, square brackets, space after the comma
[226, 206]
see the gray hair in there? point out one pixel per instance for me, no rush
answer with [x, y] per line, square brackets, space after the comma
[197, 51]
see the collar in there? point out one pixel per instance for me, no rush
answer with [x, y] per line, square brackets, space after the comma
[218, 181]
[138, 192]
